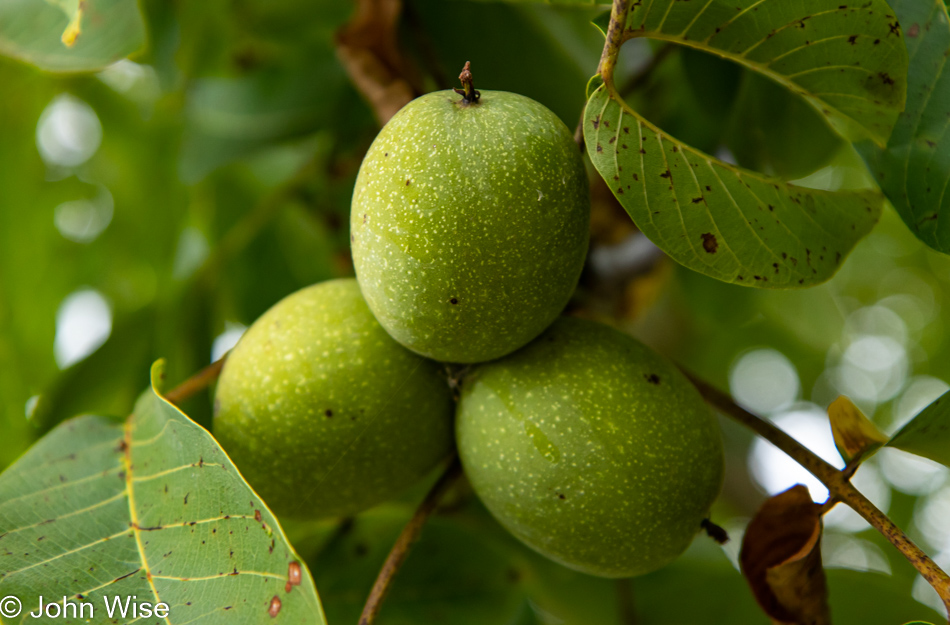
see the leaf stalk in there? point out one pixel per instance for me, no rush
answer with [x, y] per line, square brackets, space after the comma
[608, 58]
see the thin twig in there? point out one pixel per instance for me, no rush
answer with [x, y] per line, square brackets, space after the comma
[409, 535]
[837, 482]
[196, 383]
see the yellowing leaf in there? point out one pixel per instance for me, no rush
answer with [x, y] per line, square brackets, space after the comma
[855, 435]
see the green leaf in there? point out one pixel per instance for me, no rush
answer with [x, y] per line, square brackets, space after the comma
[227, 118]
[733, 224]
[725, 222]
[70, 35]
[776, 132]
[848, 62]
[457, 573]
[565, 3]
[928, 434]
[152, 508]
[111, 372]
[914, 169]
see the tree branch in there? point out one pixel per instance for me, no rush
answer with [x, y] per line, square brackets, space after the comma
[409, 535]
[836, 481]
[196, 383]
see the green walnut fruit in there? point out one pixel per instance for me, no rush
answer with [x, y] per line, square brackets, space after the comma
[324, 413]
[592, 449]
[469, 224]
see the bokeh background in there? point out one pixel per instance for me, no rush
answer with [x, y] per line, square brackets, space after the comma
[156, 208]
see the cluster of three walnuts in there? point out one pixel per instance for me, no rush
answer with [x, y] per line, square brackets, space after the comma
[469, 232]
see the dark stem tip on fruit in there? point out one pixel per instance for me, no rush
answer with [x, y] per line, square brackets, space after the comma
[468, 92]
[715, 532]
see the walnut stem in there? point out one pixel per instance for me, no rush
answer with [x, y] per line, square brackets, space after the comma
[468, 92]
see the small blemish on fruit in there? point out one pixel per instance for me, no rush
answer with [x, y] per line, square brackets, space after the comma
[328, 413]
[407, 183]
[652, 378]
[454, 301]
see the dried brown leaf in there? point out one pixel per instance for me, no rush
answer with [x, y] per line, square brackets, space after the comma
[781, 559]
[368, 48]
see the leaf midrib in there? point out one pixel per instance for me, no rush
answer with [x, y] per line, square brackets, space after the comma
[133, 513]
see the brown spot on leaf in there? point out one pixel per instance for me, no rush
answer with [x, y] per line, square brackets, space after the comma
[294, 573]
[710, 244]
[274, 608]
[914, 30]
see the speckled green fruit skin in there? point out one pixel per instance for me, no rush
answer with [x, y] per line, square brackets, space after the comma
[470, 224]
[324, 413]
[591, 449]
